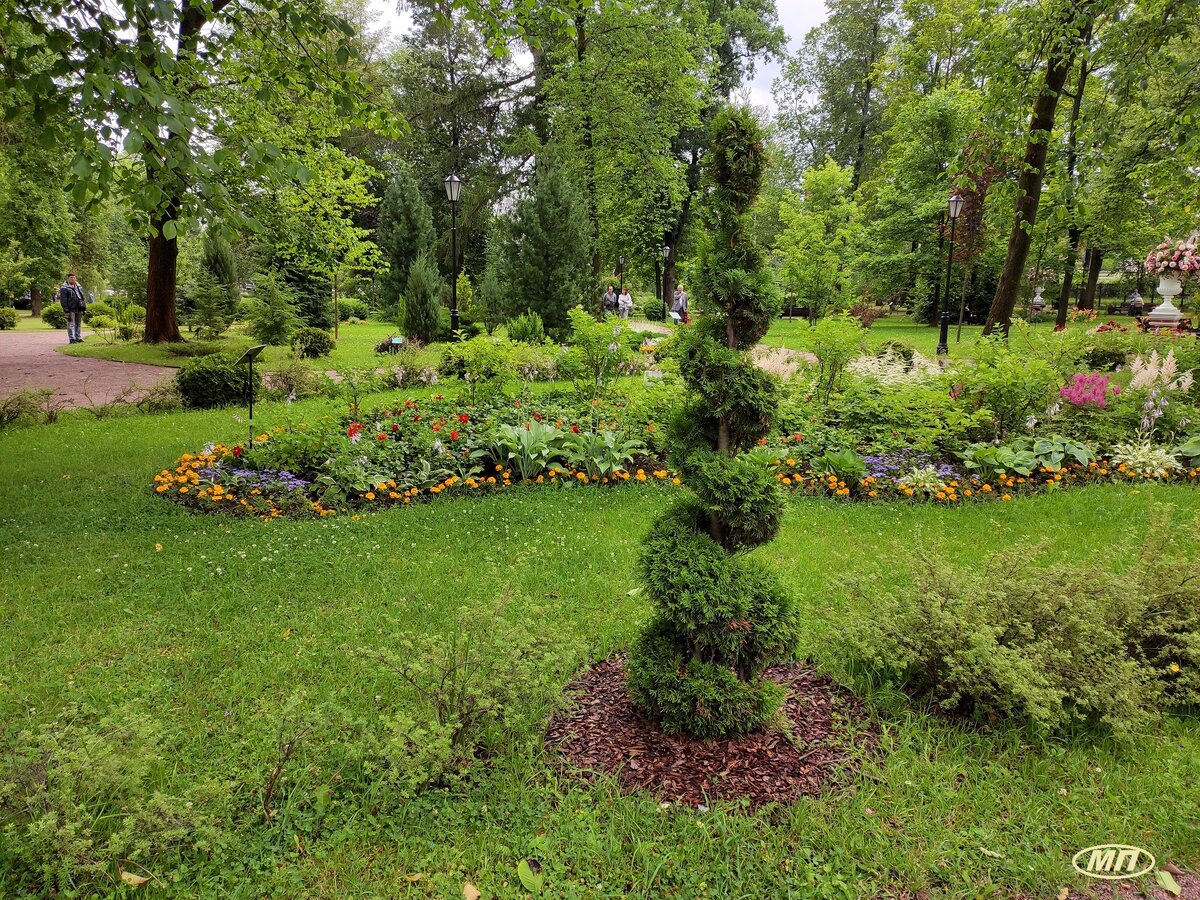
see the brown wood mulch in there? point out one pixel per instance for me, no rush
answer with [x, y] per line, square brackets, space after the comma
[602, 732]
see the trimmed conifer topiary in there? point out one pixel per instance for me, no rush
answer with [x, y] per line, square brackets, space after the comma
[720, 619]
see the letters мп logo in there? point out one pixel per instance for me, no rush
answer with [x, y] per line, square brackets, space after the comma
[1113, 861]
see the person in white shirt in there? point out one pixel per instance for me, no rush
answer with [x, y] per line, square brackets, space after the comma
[625, 304]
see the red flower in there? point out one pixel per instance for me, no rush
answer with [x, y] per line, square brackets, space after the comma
[538, 416]
[454, 435]
[464, 418]
[381, 437]
[238, 451]
[437, 396]
[575, 428]
[437, 426]
[395, 426]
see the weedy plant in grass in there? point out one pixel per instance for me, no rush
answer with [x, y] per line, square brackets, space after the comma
[719, 618]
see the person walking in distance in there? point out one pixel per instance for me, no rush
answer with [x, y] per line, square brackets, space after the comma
[680, 304]
[71, 296]
[625, 304]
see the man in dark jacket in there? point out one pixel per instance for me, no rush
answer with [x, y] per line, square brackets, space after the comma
[70, 295]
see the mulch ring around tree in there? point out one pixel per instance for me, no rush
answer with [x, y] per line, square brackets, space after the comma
[603, 733]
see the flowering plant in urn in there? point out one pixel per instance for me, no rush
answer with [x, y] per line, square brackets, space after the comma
[1175, 259]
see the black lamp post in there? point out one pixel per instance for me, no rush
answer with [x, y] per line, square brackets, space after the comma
[621, 270]
[666, 258]
[953, 208]
[453, 188]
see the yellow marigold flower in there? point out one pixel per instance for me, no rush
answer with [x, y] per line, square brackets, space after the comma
[791, 462]
[941, 495]
[871, 493]
[641, 476]
[491, 479]
[162, 487]
[1006, 497]
[392, 495]
[370, 495]
[787, 481]
[1173, 667]
[183, 490]
[967, 492]
[676, 481]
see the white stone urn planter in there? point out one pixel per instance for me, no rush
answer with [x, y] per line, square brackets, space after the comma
[1167, 314]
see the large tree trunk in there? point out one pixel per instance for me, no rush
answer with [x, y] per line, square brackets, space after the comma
[864, 110]
[1093, 278]
[589, 150]
[1033, 170]
[162, 324]
[35, 302]
[1064, 295]
[1074, 231]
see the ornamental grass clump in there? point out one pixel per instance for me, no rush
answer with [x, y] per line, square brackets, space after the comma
[720, 619]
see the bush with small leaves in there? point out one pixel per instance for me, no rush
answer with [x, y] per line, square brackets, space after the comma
[352, 308]
[8, 318]
[214, 381]
[99, 308]
[312, 343]
[653, 310]
[527, 328]
[1052, 649]
[719, 619]
[54, 315]
[82, 799]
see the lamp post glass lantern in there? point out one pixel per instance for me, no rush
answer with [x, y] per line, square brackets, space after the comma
[953, 209]
[453, 189]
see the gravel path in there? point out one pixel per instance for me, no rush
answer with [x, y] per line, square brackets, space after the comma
[28, 360]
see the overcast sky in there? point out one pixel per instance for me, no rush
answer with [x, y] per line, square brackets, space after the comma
[796, 17]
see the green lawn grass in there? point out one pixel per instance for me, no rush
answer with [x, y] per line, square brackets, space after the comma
[792, 333]
[214, 633]
[26, 322]
[355, 349]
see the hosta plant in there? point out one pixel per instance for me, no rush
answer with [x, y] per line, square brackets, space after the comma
[1143, 457]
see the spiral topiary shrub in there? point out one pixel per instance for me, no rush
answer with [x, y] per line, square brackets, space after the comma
[720, 619]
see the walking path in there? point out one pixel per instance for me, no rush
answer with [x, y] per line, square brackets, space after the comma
[28, 360]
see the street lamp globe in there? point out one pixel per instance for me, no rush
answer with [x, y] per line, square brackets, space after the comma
[453, 187]
[955, 205]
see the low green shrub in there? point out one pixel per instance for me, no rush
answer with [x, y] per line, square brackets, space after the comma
[295, 380]
[8, 318]
[135, 312]
[82, 801]
[214, 381]
[99, 308]
[527, 329]
[27, 407]
[653, 311]
[106, 327]
[312, 343]
[163, 397]
[190, 349]
[352, 308]
[54, 315]
[1048, 648]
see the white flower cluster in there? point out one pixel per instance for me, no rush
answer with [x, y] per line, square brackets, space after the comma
[1158, 372]
[892, 369]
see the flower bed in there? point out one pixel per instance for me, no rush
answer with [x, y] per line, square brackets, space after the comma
[419, 451]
